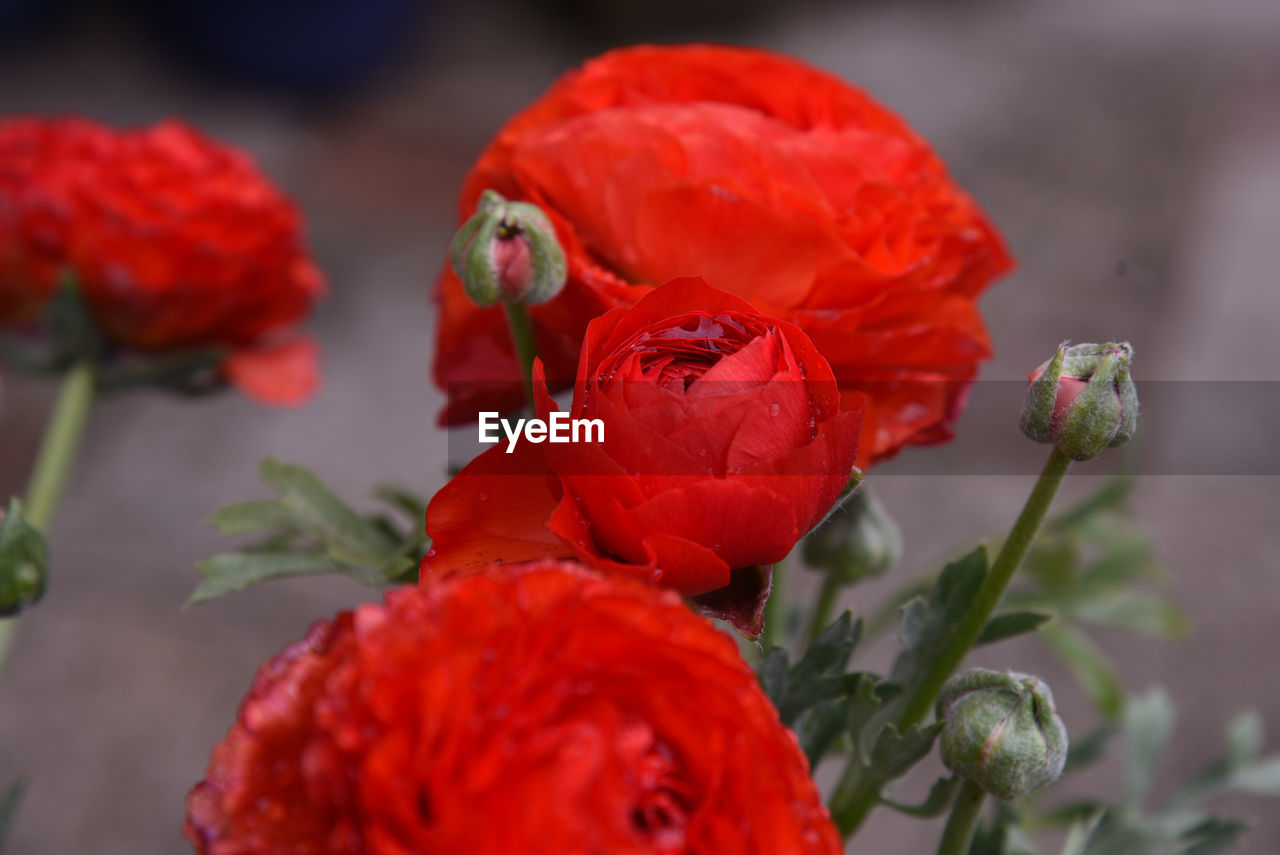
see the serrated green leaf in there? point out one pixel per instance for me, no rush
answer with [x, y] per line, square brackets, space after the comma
[821, 727]
[936, 803]
[895, 753]
[234, 571]
[1011, 624]
[818, 676]
[773, 674]
[319, 513]
[255, 516]
[1090, 667]
[1148, 725]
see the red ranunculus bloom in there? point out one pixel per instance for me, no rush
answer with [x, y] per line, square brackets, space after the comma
[767, 178]
[724, 443]
[176, 243]
[538, 709]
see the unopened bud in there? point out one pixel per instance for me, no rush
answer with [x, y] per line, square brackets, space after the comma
[508, 251]
[23, 562]
[1083, 399]
[1001, 731]
[857, 541]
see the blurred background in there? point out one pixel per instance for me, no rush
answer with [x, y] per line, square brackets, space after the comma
[1130, 152]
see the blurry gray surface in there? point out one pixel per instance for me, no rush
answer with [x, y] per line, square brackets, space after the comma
[1129, 152]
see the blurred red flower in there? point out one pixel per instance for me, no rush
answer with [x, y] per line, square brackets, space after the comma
[765, 177]
[724, 442]
[537, 709]
[175, 242]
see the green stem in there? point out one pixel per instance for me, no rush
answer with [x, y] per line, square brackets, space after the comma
[775, 609]
[825, 606]
[857, 794]
[526, 344]
[958, 834]
[53, 462]
[991, 592]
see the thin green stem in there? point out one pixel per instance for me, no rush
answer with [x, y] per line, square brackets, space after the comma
[825, 606]
[526, 344]
[991, 592]
[958, 833]
[53, 463]
[857, 794]
[775, 609]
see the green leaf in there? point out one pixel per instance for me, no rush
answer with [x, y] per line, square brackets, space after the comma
[251, 517]
[895, 753]
[320, 514]
[818, 676]
[936, 803]
[1148, 724]
[1009, 625]
[927, 625]
[1136, 611]
[1214, 835]
[9, 808]
[821, 727]
[409, 503]
[234, 571]
[1090, 666]
[1080, 832]
[1244, 738]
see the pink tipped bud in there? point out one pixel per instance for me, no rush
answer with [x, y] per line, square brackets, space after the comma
[508, 251]
[1082, 400]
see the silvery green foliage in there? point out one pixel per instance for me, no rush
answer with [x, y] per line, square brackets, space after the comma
[307, 530]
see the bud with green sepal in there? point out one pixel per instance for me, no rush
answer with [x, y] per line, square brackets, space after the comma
[508, 252]
[1001, 731]
[1083, 399]
[24, 562]
[858, 540]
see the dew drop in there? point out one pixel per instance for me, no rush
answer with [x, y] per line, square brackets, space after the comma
[775, 408]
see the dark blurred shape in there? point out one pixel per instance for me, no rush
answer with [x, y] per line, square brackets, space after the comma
[642, 20]
[23, 20]
[309, 47]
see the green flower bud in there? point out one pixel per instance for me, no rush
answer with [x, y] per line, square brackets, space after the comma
[1001, 731]
[1083, 399]
[857, 541]
[508, 251]
[24, 562]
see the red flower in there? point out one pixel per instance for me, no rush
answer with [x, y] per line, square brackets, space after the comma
[538, 709]
[724, 443]
[175, 242]
[765, 177]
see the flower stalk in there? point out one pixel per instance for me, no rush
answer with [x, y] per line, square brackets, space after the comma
[856, 794]
[958, 833]
[53, 463]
